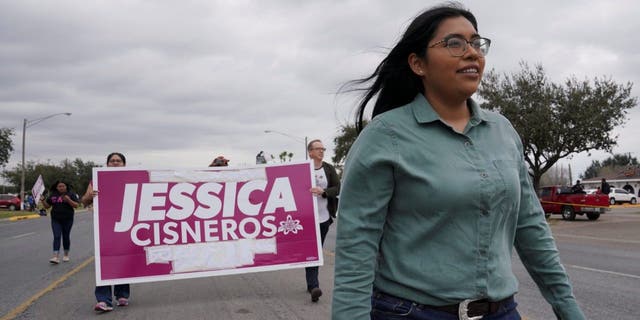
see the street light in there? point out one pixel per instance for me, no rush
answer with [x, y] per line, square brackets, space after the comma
[26, 124]
[306, 153]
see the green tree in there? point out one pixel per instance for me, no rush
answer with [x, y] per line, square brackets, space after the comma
[615, 162]
[6, 145]
[284, 155]
[553, 120]
[343, 142]
[77, 173]
[592, 170]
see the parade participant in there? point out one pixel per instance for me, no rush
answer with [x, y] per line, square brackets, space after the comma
[326, 191]
[219, 161]
[578, 187]
[62, 201]
[104, 294]
[605, 187]
[436, 192]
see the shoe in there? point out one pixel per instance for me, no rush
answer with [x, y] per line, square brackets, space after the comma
[123, 302]
[315, 294]
[54, 260]
[65, 258]
[102, 307]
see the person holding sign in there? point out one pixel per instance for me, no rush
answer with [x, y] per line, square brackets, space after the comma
[326, 191]
[121, 291]
[62, 201]
[436, 192]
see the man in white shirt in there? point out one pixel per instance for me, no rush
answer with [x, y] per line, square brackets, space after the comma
[326, 191]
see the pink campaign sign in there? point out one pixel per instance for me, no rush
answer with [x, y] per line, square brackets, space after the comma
[153, 225]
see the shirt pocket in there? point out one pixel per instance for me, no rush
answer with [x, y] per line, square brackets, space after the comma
[510, 181]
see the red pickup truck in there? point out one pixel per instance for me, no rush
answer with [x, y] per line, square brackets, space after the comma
[563, 200]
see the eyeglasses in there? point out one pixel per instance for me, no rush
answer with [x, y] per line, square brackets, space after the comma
[115, 160]
[321, 149]
[457, 45]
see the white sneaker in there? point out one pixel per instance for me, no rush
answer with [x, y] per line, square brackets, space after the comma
[54, 260]
[102, 307]
[65, 258]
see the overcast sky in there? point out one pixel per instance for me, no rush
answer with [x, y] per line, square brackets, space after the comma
[172, 84]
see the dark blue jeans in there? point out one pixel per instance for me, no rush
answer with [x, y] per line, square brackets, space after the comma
[103, 293]
[61, 228]
[312, 272]
[393, 308]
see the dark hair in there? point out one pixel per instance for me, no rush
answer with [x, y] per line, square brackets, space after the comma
[54, 187]
[220, 161]
[124, 160]
[311, 143]
[394, 82]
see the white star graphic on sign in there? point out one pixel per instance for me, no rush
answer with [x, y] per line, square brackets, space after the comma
[289, 225]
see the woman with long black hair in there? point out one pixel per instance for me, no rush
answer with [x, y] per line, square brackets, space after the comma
[62, 201]
[436, 194]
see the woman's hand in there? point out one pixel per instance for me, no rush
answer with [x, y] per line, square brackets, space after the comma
[68, 200]
[87, 198]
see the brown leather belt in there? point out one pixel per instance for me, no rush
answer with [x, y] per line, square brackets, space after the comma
[474, 308]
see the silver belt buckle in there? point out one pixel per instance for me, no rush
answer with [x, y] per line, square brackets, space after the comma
[463, 308]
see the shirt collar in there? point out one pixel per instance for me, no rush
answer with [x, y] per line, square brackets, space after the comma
[424, 113]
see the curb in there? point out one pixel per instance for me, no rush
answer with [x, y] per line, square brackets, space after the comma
[35, 216]
[31, 216]
[625, 205]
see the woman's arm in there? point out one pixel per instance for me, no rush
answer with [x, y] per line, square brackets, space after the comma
[70, 201]
[538, 252]
[364, 199]
[87, 198]
[45, 204]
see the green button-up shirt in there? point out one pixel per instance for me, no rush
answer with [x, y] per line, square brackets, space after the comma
[432, 215]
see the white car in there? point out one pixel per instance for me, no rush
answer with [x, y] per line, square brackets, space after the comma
[619, 195]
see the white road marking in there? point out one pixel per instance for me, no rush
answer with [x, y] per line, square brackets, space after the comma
[596, 238]
[604, 271]
[22, 235]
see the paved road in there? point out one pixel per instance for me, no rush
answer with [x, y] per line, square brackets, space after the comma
[266, 295]
[603, 261]
[601, 257]
[26, 248]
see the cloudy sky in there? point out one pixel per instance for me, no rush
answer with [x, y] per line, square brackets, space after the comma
[176, 83]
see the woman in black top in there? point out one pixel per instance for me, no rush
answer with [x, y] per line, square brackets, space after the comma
[63, 202]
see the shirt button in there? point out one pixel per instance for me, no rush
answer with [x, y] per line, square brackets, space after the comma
[467, 143]
[484, 175]
[485, 212]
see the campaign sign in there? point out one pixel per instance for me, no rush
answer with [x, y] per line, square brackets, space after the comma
[38, 188]
[153, 225]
